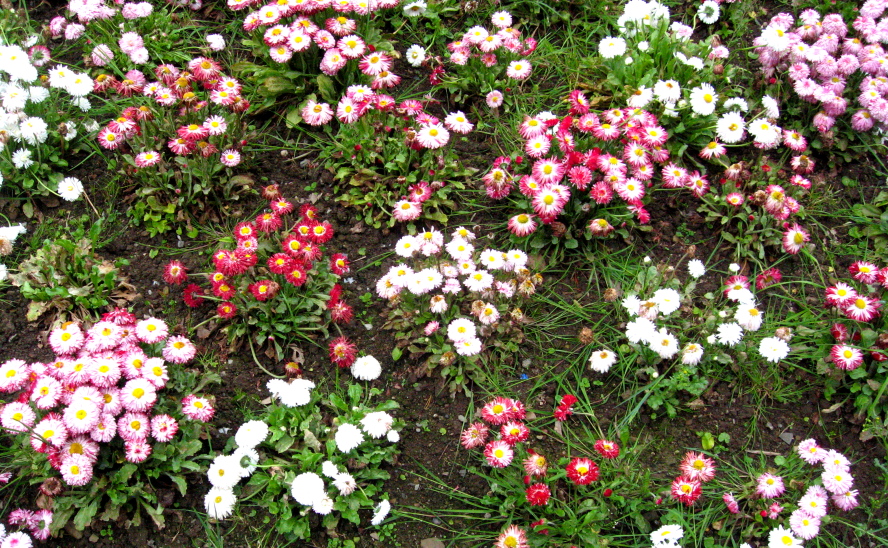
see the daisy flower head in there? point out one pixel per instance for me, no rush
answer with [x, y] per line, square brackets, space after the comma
[514, 432]
[697, 466]
[13, 375]
[846, 358]
[415, 55]
[769, 486]
[66, 339]
[197, 408]
[251, 433]
[519, 70]
[316, 114]
[667, 91]
[407, 246]
[794, 238]
[163, 428]
[667, 535]
[432, 136]
[582, 471]
[17, 417]
[415, 9]
[862, 309]
[846, 501]
[729, 333]
[457, 121]
[782, 537]
[494, 99]
[366, 368]
[498, 453]
[730, 127]
[512, 537]
[535, 464]
[708, 12]
[703, 99]
[219, 502]
[611, 47]
[602, 360]
[475, 435]
[77, 470]
[179, 350]
[686, 490]
[522, 224]
[307, 488]
[348, 437]
[499, 411]
[538, 494]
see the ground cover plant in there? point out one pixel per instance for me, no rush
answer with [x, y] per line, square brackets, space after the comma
[440, 273]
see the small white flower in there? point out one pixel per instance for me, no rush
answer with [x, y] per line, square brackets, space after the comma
[382, 511]
[366, 368]
[773, 349]
[696, 268]
[734, 267]
[70, 188]
[216, 42]
[348, 436]
[416, 54]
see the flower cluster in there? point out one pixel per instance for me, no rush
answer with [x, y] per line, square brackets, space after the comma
[836, 487]
[446, 276]
[205, 101]
[616, 153]
[862, 306]
[824, 59]
[696, 469]
[36, 522]
[227, 470]
[101, 385]
[337, 36]
[479, 47]
[271, 264]
[36, 116]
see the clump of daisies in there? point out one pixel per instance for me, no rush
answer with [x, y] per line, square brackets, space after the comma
[695, 470]
[179, 128]
[328, 471]
[453, 297]
[396, 155]
[504, 437]
[318, 33]
[667, 335]
[860, 344]
[122, 35]
[101, 395]
[30, 523]
[796, 499]
[478, 61]
[273, 277]
[42, 118]
[831, 64]
[573, 166]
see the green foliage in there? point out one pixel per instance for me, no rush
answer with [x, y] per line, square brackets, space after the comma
[871, 223]
[67, 277]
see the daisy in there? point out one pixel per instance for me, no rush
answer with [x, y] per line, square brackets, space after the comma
[846, 357]
[602, 360]
[686, 490]
[163, 428]
[769, 486]
[783, 538]
[611, 47]
[18, 416]
[179, 350]
[497, 411]
[77, 470]
[522, 224]
[348, 437]
[730, 128]
[729, 333]
[474, 436]
[803, 525]
[494, 99]
[197, 408]
[535, 464]
[703, 99]
[219, 503]
[499, 454]
[667, 535]
[697, 466]
[153, 330]
[432, 136]
[862, 309]
[457, 121]
[519, 70]
[512, 537]
[582, 471]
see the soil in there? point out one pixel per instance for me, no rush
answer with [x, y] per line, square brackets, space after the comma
[426, 407]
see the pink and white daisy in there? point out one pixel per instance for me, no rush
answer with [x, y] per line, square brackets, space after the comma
[432, 136]
[519, 70]
[77, 470]
[499, 454]
[316, 114]
[163, 428]
[197, 408]
[13, 375]
[66, 339]
[134, 426]
[697, 466]
[179, 350]
[794, 238]
[138, 395]
[81, 416]
[846, 357]
[769, 486]
[17, 417]
[862, 309]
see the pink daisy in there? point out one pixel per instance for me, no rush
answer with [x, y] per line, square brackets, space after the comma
[163, 428]
[769, 486]
[137, 450]
[134, 426]
[197, 408]
[499, 454]
[179, 350]
[77, 470]
[138, 395]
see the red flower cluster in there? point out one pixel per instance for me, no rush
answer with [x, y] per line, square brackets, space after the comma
[340, 311]
[564, 408]
[538, 494]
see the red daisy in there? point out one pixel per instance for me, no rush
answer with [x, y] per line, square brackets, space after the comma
[226, 310]
[698, 467]
[607, 449]
[244, 230]
[340, 312]
[280, 263]
[263, 289]
[686, 490]
[296, 274]
[339, 264]
[538, 494]
[175, 273]
[582, 471]
[193, 295]
[268, 222]
[343, 352]
[513, 432]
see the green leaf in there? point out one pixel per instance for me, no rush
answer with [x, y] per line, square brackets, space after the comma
[86, 514]
[293, 118]
[180, 483]
[396, 353]
[326, 88]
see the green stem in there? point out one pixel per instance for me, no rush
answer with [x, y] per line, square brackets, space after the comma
[256, 361]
